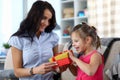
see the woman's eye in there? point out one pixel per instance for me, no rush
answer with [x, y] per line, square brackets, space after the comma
[44, 17]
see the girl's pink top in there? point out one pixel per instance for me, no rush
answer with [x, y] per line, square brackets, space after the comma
[83, 76]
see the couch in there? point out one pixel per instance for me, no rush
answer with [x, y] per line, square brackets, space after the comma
[8, 72]
[110, 47]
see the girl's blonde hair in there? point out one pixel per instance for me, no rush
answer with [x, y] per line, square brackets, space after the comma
[85, 30]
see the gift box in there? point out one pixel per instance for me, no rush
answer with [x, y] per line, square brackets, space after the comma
[62, 58]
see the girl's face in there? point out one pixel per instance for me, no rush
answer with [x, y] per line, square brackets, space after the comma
[45, 22]
[77, 42]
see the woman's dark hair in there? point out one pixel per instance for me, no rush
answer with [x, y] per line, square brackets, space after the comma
[85, 30]
[30, 24]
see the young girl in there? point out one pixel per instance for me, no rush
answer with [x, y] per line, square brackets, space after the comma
[90, 64]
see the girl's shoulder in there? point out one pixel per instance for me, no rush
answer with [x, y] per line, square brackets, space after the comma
[96, 56]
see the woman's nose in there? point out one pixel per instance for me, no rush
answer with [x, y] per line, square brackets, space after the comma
[46, 23]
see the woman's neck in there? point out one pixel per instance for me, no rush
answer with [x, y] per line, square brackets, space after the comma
[38, 34]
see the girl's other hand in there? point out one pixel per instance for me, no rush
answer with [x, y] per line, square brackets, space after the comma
[72, 57]
[70, 54]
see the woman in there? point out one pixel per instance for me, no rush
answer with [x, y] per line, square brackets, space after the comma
[34, 43]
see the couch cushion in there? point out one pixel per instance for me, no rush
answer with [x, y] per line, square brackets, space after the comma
[108, 42]
[8, 74]
[102, 49]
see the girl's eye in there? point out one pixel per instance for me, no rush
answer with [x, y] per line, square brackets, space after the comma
[74, 41]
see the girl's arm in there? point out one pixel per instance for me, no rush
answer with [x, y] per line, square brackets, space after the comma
[90, 68]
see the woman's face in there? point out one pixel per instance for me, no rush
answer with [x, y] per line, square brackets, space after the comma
[77, 42]
[46, 20]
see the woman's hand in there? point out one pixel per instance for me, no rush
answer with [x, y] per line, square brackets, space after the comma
[44, 68]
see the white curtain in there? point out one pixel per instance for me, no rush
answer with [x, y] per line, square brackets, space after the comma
[5, 20]
[104, 15]
[11, 14]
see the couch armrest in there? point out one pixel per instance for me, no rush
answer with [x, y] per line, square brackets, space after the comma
[8, 74]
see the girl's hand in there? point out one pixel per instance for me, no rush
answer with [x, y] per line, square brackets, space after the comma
[44, 68]
[71, 55]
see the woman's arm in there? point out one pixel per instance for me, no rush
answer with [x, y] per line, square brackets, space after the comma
[55, 50]
[59, 69]
[18, 62]
[73, 69]
[23, 72]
